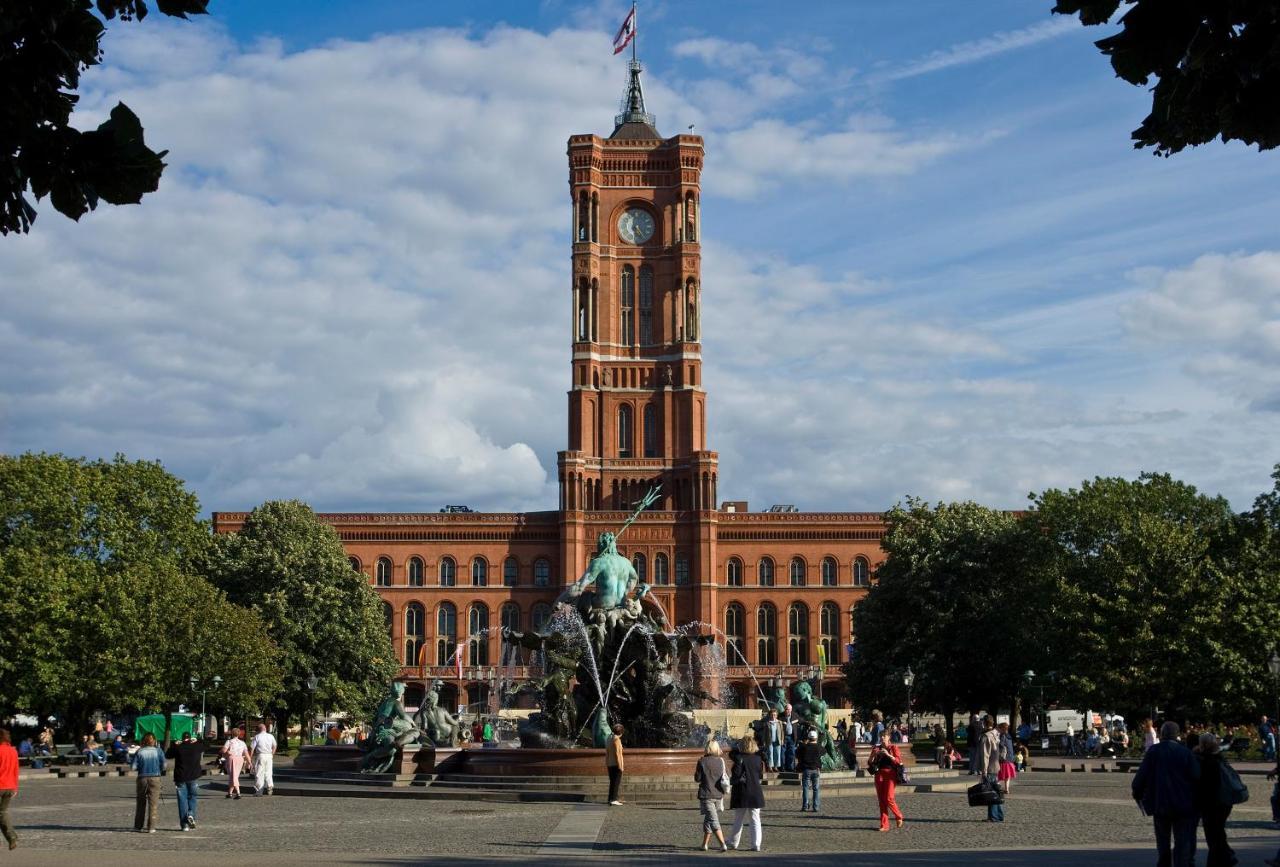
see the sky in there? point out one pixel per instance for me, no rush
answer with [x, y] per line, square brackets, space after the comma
[933, 264]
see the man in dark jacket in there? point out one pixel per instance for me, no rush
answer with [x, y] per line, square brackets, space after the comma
[187, 755]
[1165, 785]
[809, 761]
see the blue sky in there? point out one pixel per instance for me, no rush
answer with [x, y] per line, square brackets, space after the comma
[934, 265]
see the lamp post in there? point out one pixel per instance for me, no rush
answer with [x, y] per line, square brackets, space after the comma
[1273, 666]
[312, 683]
[204, 687]
[909, 678]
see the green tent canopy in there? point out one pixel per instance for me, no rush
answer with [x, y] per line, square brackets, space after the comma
[154, 724]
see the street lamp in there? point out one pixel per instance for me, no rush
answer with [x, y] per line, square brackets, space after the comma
[1273, 666]
[909, 678]
[200, 684]
[312, 683]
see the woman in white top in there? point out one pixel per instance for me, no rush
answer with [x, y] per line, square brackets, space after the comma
[234, 751]
[1148, 735]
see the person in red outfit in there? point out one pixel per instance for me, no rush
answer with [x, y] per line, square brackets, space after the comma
[884, 763]
[8, 786]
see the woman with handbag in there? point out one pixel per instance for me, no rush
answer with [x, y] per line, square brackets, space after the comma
[712, 778]
[884, 762]
[1008, 767]
[746, 794]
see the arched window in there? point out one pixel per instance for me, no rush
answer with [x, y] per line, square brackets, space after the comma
[733, 572]
[415, 571]
[651, 444]
[829, 629]
[646, 305]
[766, 635]
[735, 631]
[797, 572]
[861, 573]
[355, 563]
[477, 634]
[660, 569]
[510, 572]
[641, 567]
[624, 431]
[511, 616]
[682, 570]
[382, 572]
[828, 572]
[446, 633]
[798, 634]
[540, 617]
[691, 310]
[764, 572]
[509, 654]
[541, 572]
[448, 572]
[628, 305]
[690, 218]
[415, 632]
[479, 572]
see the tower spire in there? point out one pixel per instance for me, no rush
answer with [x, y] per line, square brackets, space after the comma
[632, 108]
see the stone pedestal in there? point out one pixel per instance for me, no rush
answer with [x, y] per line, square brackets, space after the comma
[413, 759]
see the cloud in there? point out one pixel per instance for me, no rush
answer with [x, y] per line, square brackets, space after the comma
[964, 53]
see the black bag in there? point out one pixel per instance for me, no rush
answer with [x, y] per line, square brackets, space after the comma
[1231, 790]
[984, 794]
[903, 776]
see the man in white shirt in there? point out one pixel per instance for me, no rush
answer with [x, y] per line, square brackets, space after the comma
[263, 748]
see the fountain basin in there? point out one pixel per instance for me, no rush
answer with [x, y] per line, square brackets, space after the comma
[579, 762]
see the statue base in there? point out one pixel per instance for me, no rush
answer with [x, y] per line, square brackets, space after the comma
[413, 759]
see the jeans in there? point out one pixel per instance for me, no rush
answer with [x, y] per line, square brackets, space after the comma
[186, 801]
[774, 756]
[995, 812]
[810, 780]
[789, 755]
[1183, 829]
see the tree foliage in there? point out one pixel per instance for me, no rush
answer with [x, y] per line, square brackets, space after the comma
[45, 45]
[325, 619]
[1216, 65]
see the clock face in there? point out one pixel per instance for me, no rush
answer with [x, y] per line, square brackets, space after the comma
[636, 226]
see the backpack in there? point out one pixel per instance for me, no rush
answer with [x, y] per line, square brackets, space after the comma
[1231, 790]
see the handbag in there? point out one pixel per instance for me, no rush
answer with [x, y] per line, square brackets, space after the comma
[1231, 790]
[903, 776]
[984, 794]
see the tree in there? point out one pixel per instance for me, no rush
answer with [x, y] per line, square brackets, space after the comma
[325, 619]
[942, 604]
[1151, 606]
[45, 45]
[1216, 65]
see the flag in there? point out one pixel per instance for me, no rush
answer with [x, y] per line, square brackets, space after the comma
[822, 660]
[626, 32]
[422, 661]
[457, 659]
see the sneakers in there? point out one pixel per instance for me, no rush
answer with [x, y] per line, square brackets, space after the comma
[615, 803]
[186, 828]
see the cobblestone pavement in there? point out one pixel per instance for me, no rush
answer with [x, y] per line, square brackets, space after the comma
[90, 821]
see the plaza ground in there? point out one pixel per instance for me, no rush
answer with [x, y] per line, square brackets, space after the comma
[1052, 819]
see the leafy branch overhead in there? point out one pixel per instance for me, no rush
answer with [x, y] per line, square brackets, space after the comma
[1216, 64]
[45, 45]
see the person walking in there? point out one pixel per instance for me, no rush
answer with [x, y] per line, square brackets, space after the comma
[884, 762]
[187, 755]
[614, 763]
[809, 760]
[1008, 758]
[1149, 738]
[989, 763]
[1164, 786]
[234, 752]
[975, 740]
[263, 748]
[8, 786]
[746, 794]
[1267, 731]
[711, 777]
[1213, 813]
[149, 763]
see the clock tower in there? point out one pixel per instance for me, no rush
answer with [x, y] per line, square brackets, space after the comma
[637, 409]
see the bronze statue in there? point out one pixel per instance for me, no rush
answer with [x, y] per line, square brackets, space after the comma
[392, 730]
[813, 711]
[439, 728]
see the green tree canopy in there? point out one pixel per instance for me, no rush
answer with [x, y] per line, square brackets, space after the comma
[323, 616]
[1216, 65]
[45, 45]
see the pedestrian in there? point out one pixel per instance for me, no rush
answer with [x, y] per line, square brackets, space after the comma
[746, 794]
[1149, 738]
[877, 726]
[989, 763]
[713, 781]
[809, 760]
[842, 728]
[1008, 758]
[791, 731]
[1164, 786]
[233, 753]
[774, 736]
[149, 763]
[486, 733]
[1213, 813]
[263, 748]
[884, 762]
[1267, 731]
[975, 740]
[187, 755]
[8, 786]
[615, 764]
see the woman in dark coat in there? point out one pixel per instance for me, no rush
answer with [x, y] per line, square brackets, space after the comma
[1213, 813]
[746, 795]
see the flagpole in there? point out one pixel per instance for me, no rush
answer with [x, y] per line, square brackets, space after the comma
[635, 30]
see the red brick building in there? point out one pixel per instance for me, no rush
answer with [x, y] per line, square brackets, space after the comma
[779, 584]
